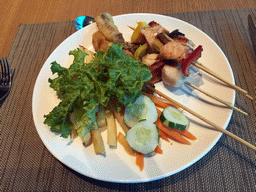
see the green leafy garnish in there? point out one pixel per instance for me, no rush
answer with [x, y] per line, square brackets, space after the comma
[81, 88]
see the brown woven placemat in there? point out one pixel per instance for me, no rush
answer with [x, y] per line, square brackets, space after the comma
[26, 164]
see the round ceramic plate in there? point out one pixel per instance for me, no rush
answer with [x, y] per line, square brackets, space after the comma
[117, 165]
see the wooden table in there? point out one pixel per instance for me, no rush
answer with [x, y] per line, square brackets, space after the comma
[13, 13]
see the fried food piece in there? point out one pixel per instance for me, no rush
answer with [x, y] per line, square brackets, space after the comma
[100, 42]
[107, 27]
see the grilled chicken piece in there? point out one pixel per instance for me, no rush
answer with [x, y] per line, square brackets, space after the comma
[157, 27]
[150, 59]
[107, 27]
[184, 41]
[174, 50]
[100, 42]
[172, 76]
[150, 36]
[180, 37]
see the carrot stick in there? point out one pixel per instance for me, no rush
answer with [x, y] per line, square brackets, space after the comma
[158, 150]
[172, 133]
[140, 161]
[159, 101]
[163, 135]
[187, 134]
[122, 140]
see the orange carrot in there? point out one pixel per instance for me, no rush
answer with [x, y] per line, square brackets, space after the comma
[187, 134]
[158, 150]
[159, 101]
[172, 133]
[161, 104]
[140, 160]
[122, 140]
[163, 135]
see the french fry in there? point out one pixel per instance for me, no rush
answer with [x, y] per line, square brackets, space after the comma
[119, 117]
[111, 129]
[87, 139]
[100, 117]
[122, 140]
[97, 142]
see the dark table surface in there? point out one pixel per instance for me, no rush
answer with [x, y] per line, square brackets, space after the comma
[27, 164]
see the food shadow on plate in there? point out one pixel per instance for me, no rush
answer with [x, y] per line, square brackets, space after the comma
[195, 78]
[192, 93]
[210, 78]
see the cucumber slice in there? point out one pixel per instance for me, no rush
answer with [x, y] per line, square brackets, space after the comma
[143, 137]
[173, 118]
[142, 108]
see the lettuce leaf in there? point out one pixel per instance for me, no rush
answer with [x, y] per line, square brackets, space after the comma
[111, 75]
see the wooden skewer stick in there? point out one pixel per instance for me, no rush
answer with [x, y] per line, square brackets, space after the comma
[205, 69]
[132, 28]
[216, 98]
[218, 128]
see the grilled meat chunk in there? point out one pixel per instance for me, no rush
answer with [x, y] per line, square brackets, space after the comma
[157, 27]
[180, 37]
[174, 50]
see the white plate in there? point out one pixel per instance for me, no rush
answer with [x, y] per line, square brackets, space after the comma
[117, 166]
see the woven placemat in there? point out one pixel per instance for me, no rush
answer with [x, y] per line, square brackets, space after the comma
[26, 164]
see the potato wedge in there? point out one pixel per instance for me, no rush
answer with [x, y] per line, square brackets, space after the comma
[111, 129]
[97, 142]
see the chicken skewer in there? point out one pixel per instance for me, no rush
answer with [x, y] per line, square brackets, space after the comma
[172, 75]
[183, 40]
[199, 65]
